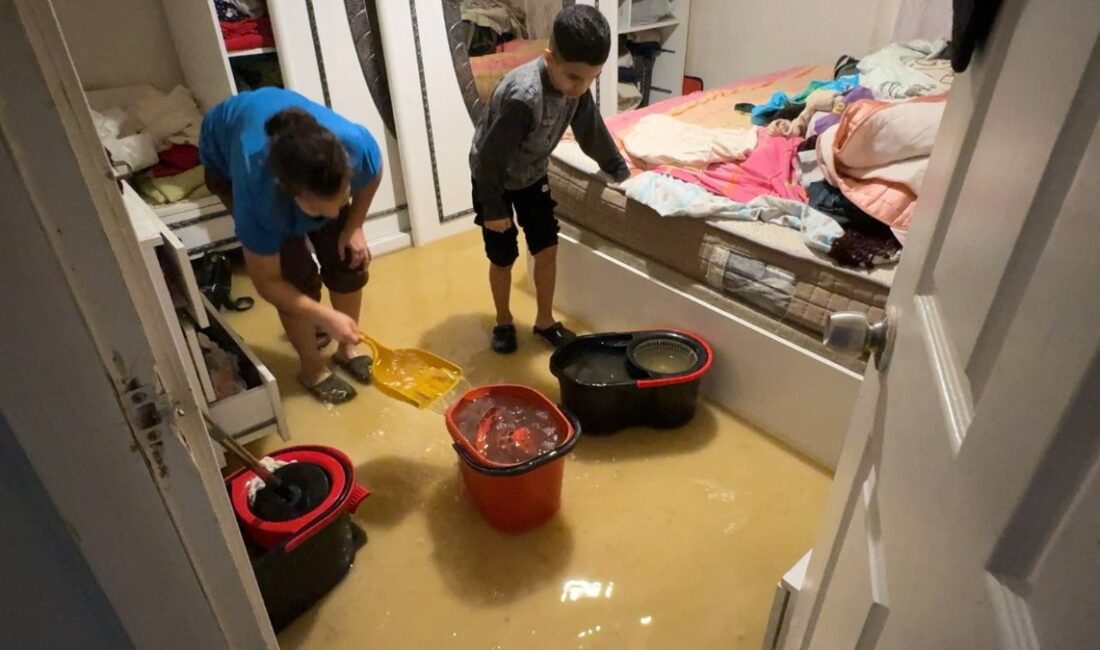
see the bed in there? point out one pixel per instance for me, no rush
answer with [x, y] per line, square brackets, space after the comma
[756, 290]
[763, 268]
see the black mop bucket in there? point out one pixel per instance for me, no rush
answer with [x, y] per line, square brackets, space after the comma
[299, 535]
[614, 381]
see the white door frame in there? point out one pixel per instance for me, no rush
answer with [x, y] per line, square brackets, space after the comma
[101, 405]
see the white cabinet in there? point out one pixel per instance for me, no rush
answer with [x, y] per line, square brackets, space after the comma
[250, 414]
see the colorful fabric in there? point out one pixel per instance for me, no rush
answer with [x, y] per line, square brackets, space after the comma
[780, 101]
[172, 189]
[902, 70]
[663, 140]
[878, 154]
[769, 170]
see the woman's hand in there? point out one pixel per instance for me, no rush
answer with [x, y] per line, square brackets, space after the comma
[340, 326]
[353, 247]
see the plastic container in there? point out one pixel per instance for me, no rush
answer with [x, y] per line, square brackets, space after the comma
[614, 381]
[299, 560]
[513, 497]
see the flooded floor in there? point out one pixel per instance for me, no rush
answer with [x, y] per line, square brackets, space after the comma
[665, 539]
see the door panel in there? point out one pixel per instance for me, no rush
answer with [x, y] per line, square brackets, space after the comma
[328, 69]
[973, 499]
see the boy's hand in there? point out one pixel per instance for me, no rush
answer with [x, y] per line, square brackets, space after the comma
[499, 225]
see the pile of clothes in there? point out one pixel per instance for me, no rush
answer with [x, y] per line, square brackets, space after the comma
[155, 137]
[245, 25]
[490, 24]
[842, 160]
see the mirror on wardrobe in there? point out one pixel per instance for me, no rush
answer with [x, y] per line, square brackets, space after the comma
[490, 37]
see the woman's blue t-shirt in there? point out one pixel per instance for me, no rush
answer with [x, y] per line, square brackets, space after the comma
[233, 144]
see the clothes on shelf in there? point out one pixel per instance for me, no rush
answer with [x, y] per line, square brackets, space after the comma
[234, 10]
[247, 34]
[629, 96]
[175, 160]
[224, 368]
[250, 73]
[190, 184]
[154, 122]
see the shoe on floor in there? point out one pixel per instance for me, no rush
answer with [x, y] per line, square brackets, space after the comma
[504, 339]
[358, 367]
[556, 335]
[331, 390]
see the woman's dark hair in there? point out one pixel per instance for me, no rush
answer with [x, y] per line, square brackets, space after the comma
[581, 35]
[305, 155]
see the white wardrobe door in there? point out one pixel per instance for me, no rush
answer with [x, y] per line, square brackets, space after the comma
[319, 59]
[433, 122]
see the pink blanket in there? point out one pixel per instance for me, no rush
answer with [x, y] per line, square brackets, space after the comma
[769, 170]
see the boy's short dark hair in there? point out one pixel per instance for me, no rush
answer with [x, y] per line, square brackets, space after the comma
[581, 35]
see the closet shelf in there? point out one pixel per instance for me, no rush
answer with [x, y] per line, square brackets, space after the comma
[252, 52]
[665, 22]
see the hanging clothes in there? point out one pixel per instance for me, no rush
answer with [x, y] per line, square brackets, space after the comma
[971, 23]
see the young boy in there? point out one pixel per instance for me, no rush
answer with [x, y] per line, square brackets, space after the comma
[526, 117]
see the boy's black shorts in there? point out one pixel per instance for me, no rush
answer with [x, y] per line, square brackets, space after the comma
[534, 211]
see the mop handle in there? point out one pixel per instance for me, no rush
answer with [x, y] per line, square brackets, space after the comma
[234, 447]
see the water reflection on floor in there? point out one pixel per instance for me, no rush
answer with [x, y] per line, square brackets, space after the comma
[671, 539]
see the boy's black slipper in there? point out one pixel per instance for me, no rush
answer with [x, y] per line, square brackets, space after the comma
[504, 339]
[556, 335]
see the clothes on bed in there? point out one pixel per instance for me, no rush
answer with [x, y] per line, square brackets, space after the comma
[819, 101]
[671, 197]
[663, 140]
[865, 242]
[781, 105]
[768, 170]
[902, 70]
[878, 153]
[823, 120]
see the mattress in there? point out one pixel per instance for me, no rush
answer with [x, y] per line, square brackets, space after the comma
[765, 267]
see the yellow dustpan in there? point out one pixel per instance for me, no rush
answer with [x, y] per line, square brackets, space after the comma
[413, 375]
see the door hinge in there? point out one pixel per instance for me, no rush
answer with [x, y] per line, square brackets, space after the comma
[151, 413]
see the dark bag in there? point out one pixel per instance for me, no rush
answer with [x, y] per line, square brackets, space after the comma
[215, 277]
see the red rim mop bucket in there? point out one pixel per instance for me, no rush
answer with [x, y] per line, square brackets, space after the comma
[514, 498]
[344, 496]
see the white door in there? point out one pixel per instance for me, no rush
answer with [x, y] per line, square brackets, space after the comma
[326, 51]
[966, 508]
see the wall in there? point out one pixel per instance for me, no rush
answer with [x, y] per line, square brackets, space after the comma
[732, 40]
[127, 44]
[52, 601]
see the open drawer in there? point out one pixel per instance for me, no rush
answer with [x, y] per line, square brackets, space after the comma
[248, 415]
[202, 225]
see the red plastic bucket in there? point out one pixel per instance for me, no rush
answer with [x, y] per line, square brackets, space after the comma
[513, 498]
[344, 496]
